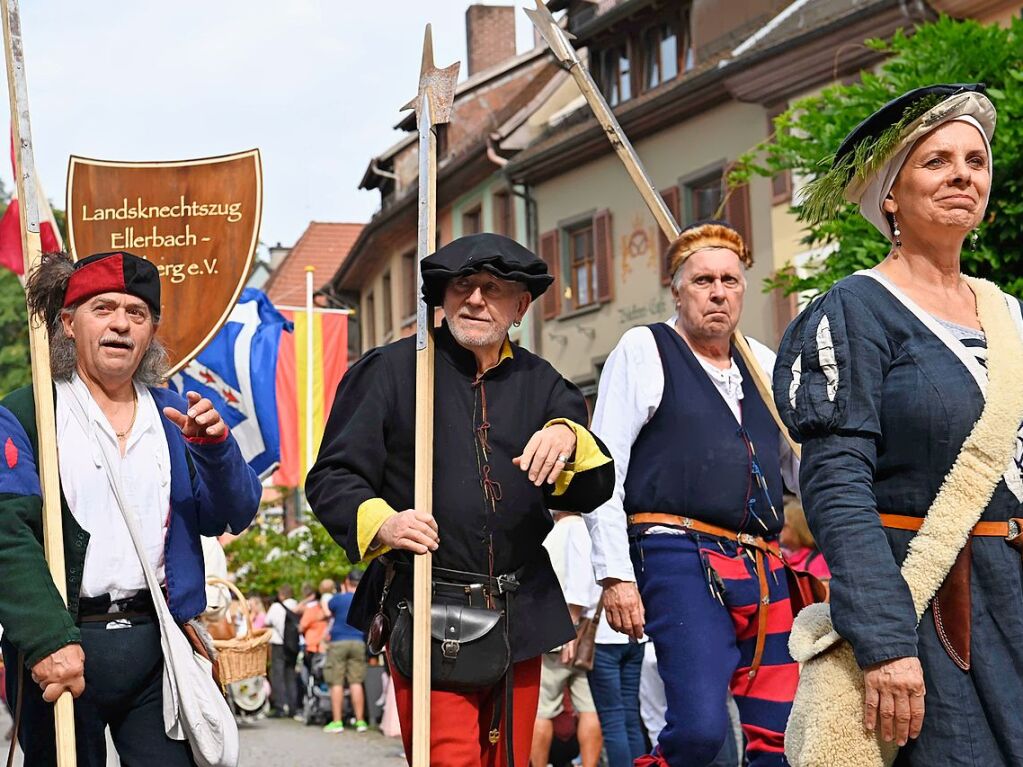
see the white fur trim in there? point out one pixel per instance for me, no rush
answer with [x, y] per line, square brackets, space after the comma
[824, 727]
[1014, 474]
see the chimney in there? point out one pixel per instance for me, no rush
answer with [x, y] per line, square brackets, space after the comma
[277, 254]
[490, 36]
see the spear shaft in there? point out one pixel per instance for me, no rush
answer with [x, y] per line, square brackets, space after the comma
[42, 383]
[433, 107]
[558, 41]
[423, 565]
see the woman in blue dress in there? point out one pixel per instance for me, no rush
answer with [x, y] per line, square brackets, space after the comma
[883, 379]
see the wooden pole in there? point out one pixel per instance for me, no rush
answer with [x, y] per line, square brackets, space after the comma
[558, 41]
[310, 368]
[433, 107]
[42, 385]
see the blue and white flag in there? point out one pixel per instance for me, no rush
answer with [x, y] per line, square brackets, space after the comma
[237, 372]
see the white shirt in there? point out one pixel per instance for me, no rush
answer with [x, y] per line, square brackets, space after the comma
[111, 564]
[580, 587]
[630, 391]
[276, 617]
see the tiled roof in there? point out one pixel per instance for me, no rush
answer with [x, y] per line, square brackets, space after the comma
[323, 246]
[802, 17]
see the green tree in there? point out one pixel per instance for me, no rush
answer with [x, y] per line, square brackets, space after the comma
[264, 559]
[807, 135]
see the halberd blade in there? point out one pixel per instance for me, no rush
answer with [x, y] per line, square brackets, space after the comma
[556, 37]
[437, 84]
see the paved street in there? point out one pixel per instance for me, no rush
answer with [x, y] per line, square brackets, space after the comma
[286, 743]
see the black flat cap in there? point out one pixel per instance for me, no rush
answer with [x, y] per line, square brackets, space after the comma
[896, 110]
[494, 253]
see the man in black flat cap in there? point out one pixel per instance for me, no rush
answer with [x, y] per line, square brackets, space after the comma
[509, 444]
[182, 476]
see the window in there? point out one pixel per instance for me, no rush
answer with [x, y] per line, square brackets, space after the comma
[703, 197]
[504, 213]
[388, 306]
[371, 321]
[472, 221]
[615, 74]
[582, 275]
[660, 55]
[409, 280]
[579, 255]
[781, 185]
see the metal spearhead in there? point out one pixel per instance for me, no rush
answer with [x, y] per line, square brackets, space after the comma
[556, 37]
[436, 85]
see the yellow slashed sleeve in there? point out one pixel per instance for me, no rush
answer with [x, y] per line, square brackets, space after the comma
[370, 516]
[587, 455]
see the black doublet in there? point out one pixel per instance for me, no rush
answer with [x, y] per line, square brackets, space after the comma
[368, 452]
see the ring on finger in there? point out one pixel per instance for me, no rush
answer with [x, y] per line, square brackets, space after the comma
[562, 459]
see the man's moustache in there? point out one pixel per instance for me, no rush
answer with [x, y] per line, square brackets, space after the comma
[118, 341]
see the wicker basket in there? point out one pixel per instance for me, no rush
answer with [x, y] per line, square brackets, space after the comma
[243, 657]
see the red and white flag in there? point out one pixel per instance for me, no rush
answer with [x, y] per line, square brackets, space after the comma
[11, 256]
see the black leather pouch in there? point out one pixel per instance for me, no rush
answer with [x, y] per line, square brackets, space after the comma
[468, 650]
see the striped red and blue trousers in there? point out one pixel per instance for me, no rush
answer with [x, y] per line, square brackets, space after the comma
[702, 597]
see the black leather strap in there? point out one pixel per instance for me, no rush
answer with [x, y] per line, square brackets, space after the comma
[509, 697]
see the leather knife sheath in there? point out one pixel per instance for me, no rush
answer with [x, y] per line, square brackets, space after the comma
[951, 610]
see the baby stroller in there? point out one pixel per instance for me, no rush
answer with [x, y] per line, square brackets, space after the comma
[248, 698]
[315, 691]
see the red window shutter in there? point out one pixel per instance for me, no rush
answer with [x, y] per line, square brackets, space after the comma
[737, 213]
[603, 247]
[673, 199]
[549, 252]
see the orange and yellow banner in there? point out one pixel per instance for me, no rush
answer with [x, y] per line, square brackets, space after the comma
[329, 362]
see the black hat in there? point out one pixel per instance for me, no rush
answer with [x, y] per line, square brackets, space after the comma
[899, 124]
[499, 255]
[911, 105]
[117, 272]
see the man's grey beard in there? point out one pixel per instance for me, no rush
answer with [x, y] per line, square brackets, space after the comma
[152, 369]
[496, 336]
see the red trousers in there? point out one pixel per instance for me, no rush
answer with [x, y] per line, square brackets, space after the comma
[460, 721]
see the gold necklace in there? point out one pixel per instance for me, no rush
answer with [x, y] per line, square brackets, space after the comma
[134, 412]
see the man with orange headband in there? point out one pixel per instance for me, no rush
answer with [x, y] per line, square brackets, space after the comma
[181, 475]
[698, 499]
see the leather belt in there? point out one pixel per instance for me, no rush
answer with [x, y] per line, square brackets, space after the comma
[952, 604]
[1007, 530]
[761, 549]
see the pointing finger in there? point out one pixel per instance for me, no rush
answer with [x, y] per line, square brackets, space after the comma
[176, 417]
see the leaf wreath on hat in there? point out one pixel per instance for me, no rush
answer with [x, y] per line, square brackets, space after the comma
[874, 142]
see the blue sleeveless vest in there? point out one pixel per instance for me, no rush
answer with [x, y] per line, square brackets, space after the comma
[691, 458]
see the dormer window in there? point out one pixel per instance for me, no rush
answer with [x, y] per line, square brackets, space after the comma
[660, 54]
[615, 74]
[655, 50]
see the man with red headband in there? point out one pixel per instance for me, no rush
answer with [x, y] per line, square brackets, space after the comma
[697, 504]
[182, 475]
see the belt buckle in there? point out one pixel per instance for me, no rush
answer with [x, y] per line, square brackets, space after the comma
[1014, 530]
[449, 649]
[507, 582]
[746, 539]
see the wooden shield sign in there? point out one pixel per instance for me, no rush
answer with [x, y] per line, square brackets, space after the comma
[196, 220]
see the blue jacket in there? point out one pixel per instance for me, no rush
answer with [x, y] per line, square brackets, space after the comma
[212, 490]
